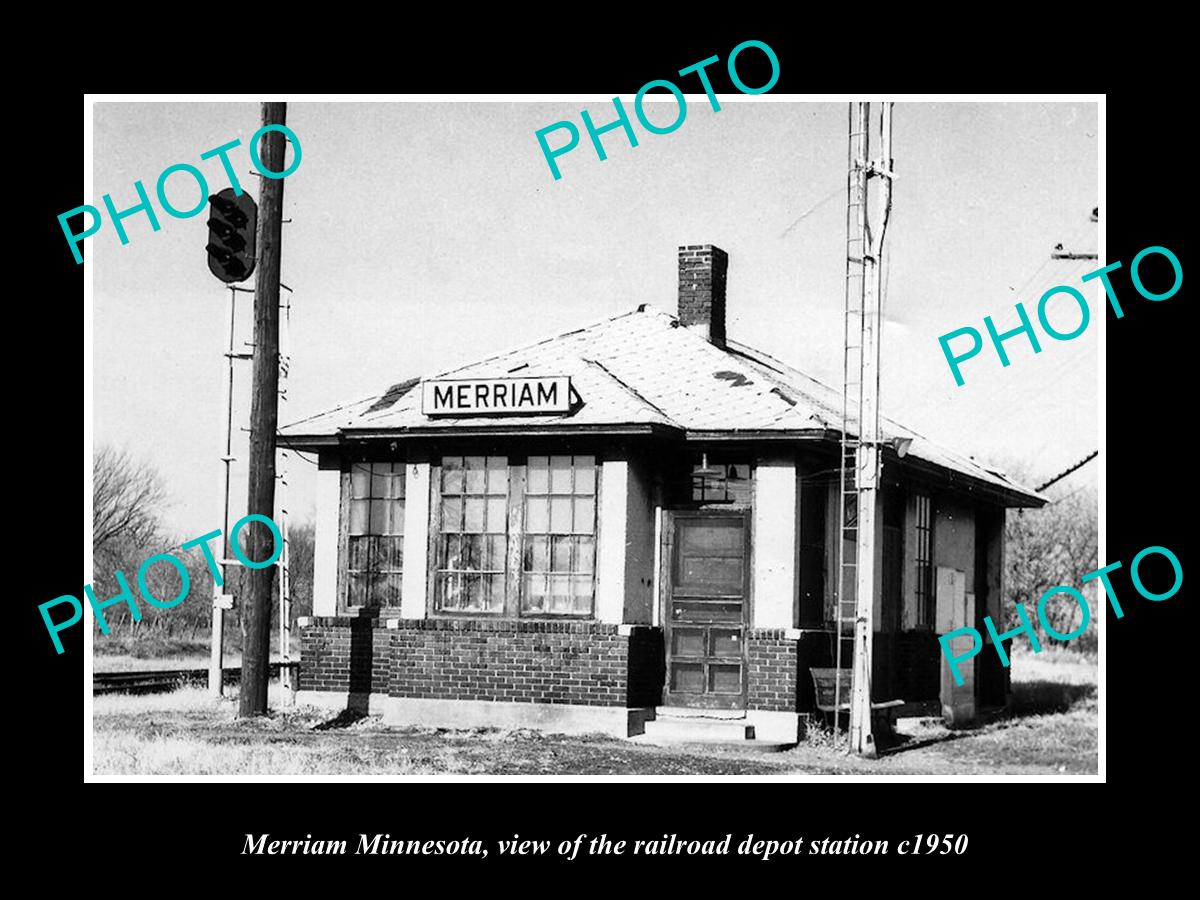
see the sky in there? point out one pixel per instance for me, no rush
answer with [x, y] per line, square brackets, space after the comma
[424, 235]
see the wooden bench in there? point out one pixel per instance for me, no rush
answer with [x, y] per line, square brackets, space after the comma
[825, 682]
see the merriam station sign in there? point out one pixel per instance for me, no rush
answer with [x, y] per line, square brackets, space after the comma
[496, 396]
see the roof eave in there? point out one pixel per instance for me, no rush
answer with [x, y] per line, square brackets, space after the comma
[1008, 497]
[319, 441]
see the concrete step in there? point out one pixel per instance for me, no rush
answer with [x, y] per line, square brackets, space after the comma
[687, 712]
[656, 738]
[699, 730]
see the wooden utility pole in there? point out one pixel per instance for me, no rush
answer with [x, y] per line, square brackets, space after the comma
[264, 420]
[862, 741]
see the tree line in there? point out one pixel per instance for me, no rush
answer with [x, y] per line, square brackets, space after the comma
[129, 502]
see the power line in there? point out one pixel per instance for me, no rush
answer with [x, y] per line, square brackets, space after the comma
[812, 209]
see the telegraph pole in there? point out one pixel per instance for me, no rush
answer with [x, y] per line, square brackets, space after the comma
[264, 420]
[862, 741]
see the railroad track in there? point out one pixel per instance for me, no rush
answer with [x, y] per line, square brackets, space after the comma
[152, 681]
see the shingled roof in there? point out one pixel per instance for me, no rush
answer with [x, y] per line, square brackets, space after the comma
[641, 372]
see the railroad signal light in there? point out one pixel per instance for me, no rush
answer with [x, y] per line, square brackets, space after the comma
[231, 224]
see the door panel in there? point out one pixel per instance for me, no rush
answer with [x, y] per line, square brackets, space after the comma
[705, 609]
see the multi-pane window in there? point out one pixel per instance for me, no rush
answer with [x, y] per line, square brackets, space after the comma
[924, 559]
[473, 541]
[559, 558]
[720, 482]
[376, 539]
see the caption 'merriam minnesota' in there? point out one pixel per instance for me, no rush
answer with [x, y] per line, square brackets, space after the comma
[367, 845]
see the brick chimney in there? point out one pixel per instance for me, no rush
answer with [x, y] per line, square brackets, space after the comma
[702, 269]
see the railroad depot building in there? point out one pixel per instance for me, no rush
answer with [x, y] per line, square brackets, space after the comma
[636, 516]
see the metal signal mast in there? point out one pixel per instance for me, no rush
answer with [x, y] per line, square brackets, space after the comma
[867, 215]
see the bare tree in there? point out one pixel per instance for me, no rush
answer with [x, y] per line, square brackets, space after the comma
[127, 499]
[1051, 546]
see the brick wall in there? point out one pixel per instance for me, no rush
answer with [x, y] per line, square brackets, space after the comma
[586, 663]
[344, 654]
[772, 663]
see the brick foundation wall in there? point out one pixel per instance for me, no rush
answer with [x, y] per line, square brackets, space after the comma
[344, 654]
[772, 663]
[585, 663]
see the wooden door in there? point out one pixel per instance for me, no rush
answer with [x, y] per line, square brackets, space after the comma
[705, 609]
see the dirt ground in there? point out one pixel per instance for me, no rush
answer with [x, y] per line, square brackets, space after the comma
[1053, 730]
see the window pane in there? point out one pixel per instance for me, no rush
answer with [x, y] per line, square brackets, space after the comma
[497, 475]
[537, 515]
[721, 482]
[581, 591]
[383, 550]
[493, 553]
[472, 594]
[358, 553]
[495, 592]
[452, 477]
[476, 474]
[535, 593]
[537, 553]
[497, 514]
[448, 591]
[738, 491]
[560, 593]
[687, 641]
[585, 474]
[585, 555]
[585, 515]
[394, 583]
[726, 642]
[725, 679]
[560, 560]
[358, 516]
[560, 474]
[451, 514]
[379, 513]
[381, 477]
[538, 479]
[397, 517]
[377, 591]
[360, 480]
[560, 515]
[373, 552]
[687, 677]
[357, 591]
[451, 551]
[475, 509]
[391, 554]
[399, 481]
[472, 551]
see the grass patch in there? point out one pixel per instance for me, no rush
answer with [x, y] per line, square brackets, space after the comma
[1053, 730]
[189, 733]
